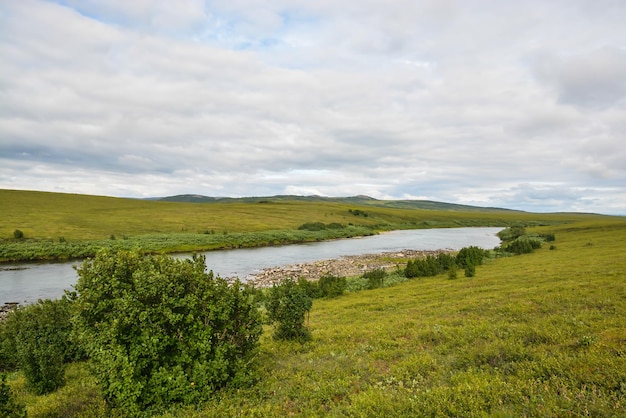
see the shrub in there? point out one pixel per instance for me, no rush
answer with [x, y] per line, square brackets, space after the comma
[312, 226]
[470, 255]
[423, 267]
[452, 272]
[470, 270]
[38, 335]
[523, 246]
[17, 234]
[331, 286]
[9, 407]
[287, 304]
[161, 330]
[358, 212]
[334, 225]
[512, 233]
[311, 288]
[375, 278]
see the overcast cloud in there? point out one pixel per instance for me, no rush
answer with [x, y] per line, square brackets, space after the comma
[491, 103]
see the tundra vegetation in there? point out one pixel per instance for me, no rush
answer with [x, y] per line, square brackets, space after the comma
[530, 334]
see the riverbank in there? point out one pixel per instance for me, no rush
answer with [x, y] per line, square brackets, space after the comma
[346, 266]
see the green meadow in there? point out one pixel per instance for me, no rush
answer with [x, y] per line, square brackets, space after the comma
[537, 335]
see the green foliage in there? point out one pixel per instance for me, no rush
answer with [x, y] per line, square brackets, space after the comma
[161, 330]
[452, 272]
[429, 265]
[312, 226]
[17, 234]
[375, 278]
[331, 286]
[470, 270]
[358, 212]
[522, 245]
[36, 339]
[311, 288]
[511, 233]
[470, 256]
[287, 304]
[319, 226]
[9, 406]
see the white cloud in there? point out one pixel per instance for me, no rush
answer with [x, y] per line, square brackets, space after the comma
[480, 103]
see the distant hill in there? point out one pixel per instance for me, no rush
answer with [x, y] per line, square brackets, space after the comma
[357, 200]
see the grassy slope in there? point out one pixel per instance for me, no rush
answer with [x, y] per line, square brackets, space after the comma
[542, 334]
[42, 215]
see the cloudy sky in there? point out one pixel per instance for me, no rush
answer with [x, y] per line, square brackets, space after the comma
[518, 104]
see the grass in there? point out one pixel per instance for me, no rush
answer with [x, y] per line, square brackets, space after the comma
[542, 334]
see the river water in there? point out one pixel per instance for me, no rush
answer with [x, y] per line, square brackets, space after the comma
[26, 283]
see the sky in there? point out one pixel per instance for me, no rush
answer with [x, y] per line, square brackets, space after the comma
[515, 104]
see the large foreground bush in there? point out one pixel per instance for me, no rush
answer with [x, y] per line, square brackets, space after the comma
[161, 330]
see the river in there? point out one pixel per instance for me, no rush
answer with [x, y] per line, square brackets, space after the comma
[26, 283]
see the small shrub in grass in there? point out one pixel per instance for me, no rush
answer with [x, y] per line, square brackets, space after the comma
[452, 272]
[470, 256]
[39, 337]
[17, 234]
[287, 304]
[331, 286]
[470, 270]
[9, 406]
[375, 278]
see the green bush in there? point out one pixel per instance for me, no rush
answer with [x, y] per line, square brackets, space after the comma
[375, 278]
[512, 233]
[331, 286]
[523, 246]
[9, 407]
[452, 272]
[287, 304]
[311, 288]
[17, 234]
[470, 255]
[36, 338]
[161, 330]
[312, 226]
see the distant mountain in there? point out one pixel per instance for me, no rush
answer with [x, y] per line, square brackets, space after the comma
[356, 200]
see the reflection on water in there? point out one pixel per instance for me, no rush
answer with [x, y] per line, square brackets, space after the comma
[29, 282]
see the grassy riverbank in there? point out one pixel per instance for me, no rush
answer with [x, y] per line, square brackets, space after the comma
[56, 226]
[540, 334]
